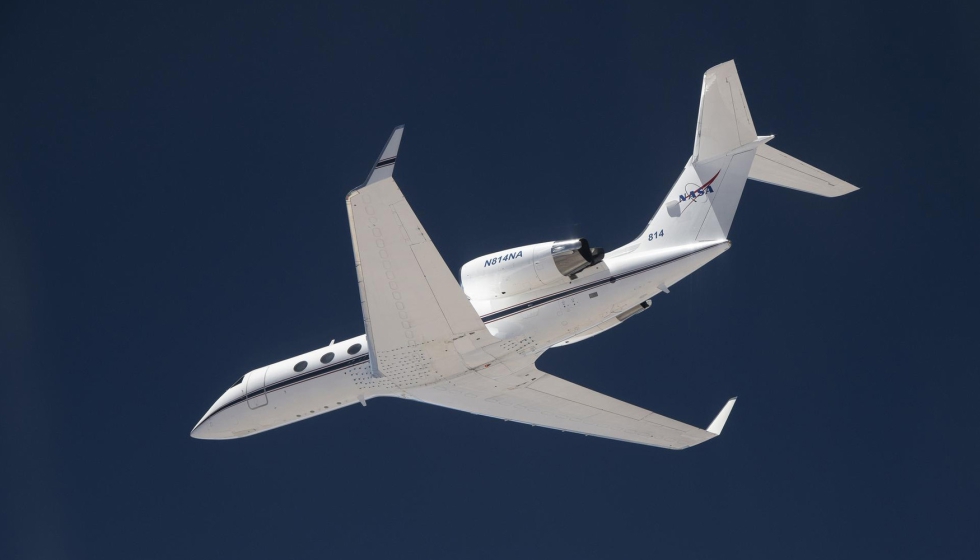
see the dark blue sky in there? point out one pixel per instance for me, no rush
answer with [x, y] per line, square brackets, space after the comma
[172, 181]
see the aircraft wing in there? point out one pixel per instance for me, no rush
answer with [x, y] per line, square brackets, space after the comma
[419, 323]
[546, 400]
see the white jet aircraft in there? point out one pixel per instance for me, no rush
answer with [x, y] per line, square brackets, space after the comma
[473, 348]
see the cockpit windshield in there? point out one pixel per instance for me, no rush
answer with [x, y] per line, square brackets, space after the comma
[238, 382]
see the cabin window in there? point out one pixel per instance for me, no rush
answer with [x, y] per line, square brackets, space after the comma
[300, 366]
[354, 349]
[326, 358]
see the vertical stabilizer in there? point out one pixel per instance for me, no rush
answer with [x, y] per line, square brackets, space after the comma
[702, 203]
[724, 120]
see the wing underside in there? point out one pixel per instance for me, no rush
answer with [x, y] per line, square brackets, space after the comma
[419, 324]
[552, 402]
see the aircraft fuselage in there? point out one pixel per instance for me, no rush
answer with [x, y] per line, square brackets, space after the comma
[339, 375]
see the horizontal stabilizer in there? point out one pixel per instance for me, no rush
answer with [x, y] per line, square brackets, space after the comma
[783, 170]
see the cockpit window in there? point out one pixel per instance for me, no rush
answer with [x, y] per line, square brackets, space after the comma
[240, 379]
[326, 358]
[300, 366]
[354, 349]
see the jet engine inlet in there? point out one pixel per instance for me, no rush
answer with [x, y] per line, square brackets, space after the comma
[574, 256]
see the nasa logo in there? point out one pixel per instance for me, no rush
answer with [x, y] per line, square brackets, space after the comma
[700, 191]
[693, 195]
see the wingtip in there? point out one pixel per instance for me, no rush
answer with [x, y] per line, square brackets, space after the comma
[844, 188]
[384, 166]
[719, 421]
[391, 147]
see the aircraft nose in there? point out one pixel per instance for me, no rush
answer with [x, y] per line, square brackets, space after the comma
[201, 431]
[222, 419]
[204, 428]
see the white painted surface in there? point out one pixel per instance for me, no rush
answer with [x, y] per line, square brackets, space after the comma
[426, 340]
[783, 170]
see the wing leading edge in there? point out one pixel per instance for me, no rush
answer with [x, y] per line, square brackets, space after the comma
[555, 403]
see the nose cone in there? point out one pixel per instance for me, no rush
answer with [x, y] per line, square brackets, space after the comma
[228, 417]
[205, 427]
[201, 431]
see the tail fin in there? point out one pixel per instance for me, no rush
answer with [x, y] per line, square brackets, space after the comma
[724, 120]
[701, 205]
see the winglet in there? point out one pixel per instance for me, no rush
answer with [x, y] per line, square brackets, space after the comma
[385, 165]
[719, 421]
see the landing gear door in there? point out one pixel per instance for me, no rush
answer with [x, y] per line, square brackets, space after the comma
[255, 388]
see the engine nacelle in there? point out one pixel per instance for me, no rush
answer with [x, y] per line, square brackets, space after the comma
[522, 269]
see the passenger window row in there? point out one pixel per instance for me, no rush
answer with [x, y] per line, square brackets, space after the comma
[324, 359]
[327, 358]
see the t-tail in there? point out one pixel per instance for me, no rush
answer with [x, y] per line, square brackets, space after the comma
[727, 151]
